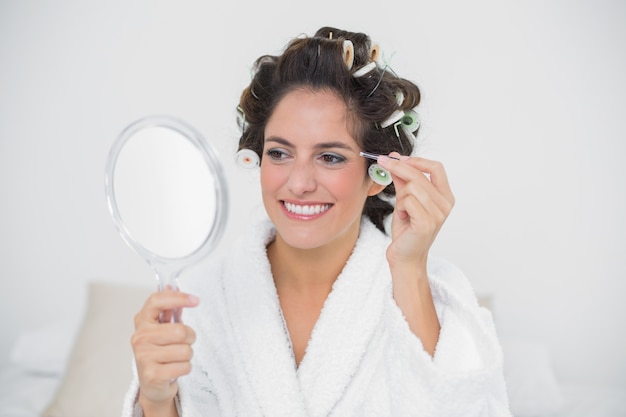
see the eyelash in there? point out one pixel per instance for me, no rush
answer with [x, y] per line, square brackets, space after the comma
[280, 155]
[276, 154]
[336, 159]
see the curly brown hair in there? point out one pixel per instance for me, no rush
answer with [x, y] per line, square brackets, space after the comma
[318, 63]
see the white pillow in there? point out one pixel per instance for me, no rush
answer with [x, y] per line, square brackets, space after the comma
[99, 370]
[531, 384]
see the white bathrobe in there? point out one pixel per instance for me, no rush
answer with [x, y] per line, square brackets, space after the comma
[362, 359]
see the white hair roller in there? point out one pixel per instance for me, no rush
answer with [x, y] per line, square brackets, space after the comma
[247, 158]
[348, 53]
[395, 116]
[364, 70]
[399, 98]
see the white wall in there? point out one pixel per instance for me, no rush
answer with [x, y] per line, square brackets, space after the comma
[524, 102]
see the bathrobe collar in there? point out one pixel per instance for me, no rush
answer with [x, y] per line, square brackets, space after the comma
[340, 337]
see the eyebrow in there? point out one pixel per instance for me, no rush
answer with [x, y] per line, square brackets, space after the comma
[323, 145]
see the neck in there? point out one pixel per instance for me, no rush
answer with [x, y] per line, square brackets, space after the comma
[310, 270]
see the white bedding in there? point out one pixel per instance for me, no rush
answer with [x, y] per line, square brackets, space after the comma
[87, 367]
[24, 393]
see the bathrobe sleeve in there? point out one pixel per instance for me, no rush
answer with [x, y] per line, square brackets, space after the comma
[130, 406]
[465, 375]
[194, 393]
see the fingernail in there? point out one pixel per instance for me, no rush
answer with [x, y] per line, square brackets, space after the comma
[193, 299]
[404, 157]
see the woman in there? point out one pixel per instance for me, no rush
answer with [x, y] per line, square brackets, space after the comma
[318, 311]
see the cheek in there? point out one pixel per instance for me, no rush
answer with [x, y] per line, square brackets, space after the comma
[348, 183]
[270, 177]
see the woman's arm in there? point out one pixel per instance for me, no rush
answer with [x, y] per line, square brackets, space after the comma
[423, 202]
[411, 291]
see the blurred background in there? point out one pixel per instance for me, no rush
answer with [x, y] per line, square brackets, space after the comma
[524, 102]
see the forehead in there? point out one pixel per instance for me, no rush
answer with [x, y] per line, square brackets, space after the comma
[306, 116]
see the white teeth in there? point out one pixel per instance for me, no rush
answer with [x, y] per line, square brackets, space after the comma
[306, 210]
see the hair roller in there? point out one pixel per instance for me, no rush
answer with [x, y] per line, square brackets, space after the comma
[375, 52]
[348, 53]
[395, 117]
[410, 121]
[399, 98]
[247, 158]
[365, 69]
[379, 175]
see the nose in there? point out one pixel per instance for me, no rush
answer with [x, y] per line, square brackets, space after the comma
[302, 178]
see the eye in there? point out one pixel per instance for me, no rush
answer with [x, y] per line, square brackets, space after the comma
[332, 158]
[276, 154]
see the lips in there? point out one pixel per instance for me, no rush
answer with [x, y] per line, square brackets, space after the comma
[305, 210]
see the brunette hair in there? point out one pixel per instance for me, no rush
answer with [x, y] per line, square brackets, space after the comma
[319, 63]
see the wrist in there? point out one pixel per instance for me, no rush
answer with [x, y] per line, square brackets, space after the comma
[412, 294]
[165, 408]
[408, 270]
[410, 283]
[415, 263]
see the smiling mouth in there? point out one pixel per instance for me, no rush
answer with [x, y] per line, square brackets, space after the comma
[307, 209]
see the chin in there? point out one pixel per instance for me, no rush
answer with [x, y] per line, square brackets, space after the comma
[302, 239]
[309, 236]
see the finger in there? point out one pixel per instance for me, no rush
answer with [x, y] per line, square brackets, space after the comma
[164, 301]
[427, 215]
[165, 354]
[421, 188]
[163, 335]
[153, 374]
[432, 199]
[401, 170]
[419, 202]
[407, 169]
[436, 173]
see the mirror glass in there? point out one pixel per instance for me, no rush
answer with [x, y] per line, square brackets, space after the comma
[166, 193]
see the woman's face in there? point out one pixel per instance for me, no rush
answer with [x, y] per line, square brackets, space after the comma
[314, 183]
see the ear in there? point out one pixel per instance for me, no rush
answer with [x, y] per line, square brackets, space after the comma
[374, 188]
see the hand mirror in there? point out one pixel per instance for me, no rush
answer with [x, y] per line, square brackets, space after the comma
[167, 194]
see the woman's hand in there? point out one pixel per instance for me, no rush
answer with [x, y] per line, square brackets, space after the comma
[423, 202]
[162, 350]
